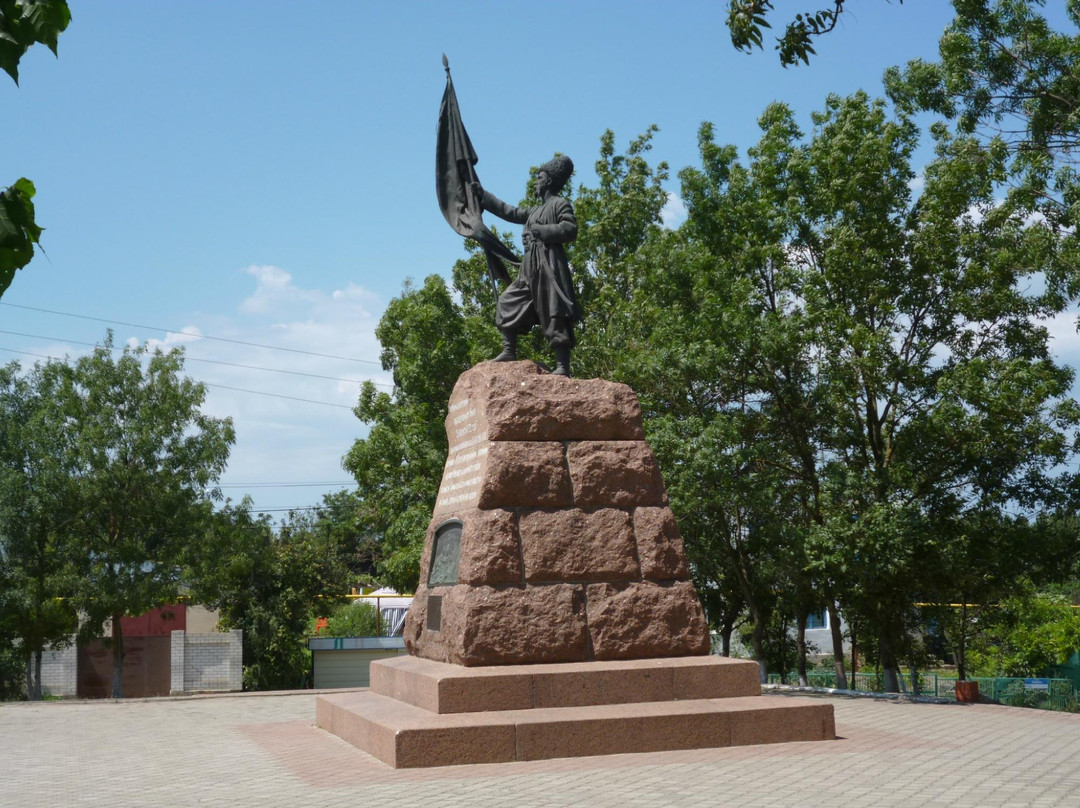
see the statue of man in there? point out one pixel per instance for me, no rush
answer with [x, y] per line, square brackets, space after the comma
[544, 291]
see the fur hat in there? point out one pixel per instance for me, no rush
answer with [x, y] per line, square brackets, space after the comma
[559, 169]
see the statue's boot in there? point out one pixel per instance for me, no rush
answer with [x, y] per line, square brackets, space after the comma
[562, 361]
[509, 351]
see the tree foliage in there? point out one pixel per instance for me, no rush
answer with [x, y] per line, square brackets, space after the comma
[748, 19]
[109, 472]
[889, 345]
[356, 619]
[19, 231]
[270, 583]
[23, 23]
[38, 558]
[1024, 634]
[847, 381]
[1006, 76]
[1003, 69]
[399, 464]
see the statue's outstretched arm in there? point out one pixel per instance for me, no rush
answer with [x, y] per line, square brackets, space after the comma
[490, 202]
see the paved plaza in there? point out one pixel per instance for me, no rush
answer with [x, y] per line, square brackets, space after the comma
[264, 750]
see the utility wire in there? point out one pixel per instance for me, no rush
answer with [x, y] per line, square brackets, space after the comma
[277, 395]
[286, 485]
[208, 361]
[188, 334]
[297, 508]
[208, 384]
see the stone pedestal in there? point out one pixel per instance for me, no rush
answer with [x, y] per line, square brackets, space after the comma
[420, 713]
[555, 614]
[551, 538]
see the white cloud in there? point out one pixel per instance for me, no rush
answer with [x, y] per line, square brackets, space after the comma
[274, 291]
[186, 336]
[294, 343]
[673, 213]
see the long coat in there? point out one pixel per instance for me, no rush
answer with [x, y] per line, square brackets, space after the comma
[544, 289]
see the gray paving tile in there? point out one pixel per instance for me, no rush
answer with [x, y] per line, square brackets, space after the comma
[265, 751]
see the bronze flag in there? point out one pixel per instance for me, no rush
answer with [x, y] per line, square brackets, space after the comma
[455, 162]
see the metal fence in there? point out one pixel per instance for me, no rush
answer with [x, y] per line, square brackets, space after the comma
[1070, 672]
[1045, 694]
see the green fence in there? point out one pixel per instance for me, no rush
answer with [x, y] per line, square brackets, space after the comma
[927, 684]
[1070, 672]
[1045, 694]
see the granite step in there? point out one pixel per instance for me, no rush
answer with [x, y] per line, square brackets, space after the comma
[405, 736]
[443, 688]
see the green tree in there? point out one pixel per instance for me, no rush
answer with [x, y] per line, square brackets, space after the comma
[340, 522]
[144, 460]
[399, 464]
[890, 346]
[12, 666]
[358, 619]
[1024, 634]
[23, 23]
[270, 584]
[1005, 71]
[38, 547]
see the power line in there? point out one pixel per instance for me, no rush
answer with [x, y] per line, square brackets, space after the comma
[287, 485]
[188, 334]
[296, 508]
[277, 395]
[207, 361]
[207, 384]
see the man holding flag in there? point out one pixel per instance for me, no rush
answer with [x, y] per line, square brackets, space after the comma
[543, 292]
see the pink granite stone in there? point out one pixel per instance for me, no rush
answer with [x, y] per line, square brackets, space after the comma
[482, 625]
[637, 620]
[620, 474]
[515, 401]
[490, 551]
[525, 474]
[575, 545]
[659, 545]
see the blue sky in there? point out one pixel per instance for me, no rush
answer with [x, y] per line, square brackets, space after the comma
[264, 171]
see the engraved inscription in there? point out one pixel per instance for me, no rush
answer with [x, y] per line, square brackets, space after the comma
[463, 475]
[446, 555]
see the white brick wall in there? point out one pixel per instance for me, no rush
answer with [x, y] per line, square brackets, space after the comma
[202, 662]
[176, 662]
[60, 671]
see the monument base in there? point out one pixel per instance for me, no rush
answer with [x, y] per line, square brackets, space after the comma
[421, 713]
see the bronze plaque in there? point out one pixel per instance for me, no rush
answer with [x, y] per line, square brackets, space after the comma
[445, 555]
[434, 613]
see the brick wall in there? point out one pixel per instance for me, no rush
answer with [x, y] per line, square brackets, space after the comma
[206, 662]
[60, 671]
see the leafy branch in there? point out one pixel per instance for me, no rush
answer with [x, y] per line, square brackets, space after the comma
[24, 23]
[748, 18]
[18, 230]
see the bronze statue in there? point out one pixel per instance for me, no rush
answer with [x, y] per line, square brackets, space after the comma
[544, 290]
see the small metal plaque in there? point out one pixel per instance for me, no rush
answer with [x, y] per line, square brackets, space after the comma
[445, 555]
[434, 613]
